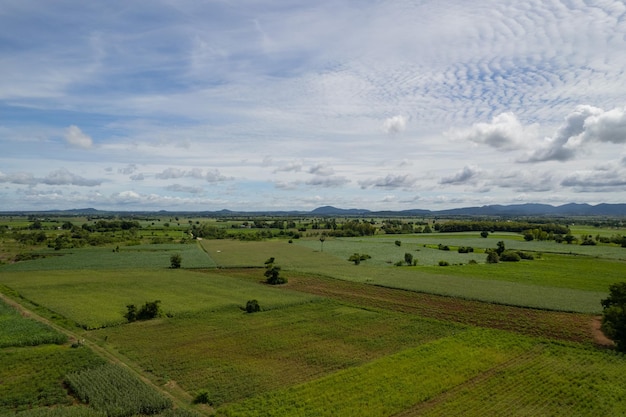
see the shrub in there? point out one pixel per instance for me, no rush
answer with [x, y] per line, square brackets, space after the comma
[492, 257]
[510, 256]
[252, 306]
[149, 310]
[202, 398]
[484, 233]
[398, 243]
[444, 263]
[175, 261]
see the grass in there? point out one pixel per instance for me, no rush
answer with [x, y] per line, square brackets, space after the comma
[391, 384]
[557, 381]
[16, 330]
[128, 257]
[234, 355]
[32, 377]
[98, 298]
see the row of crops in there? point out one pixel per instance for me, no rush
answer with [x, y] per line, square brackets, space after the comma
[36, 361]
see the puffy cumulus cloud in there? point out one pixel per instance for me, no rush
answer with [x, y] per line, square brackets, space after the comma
[59, 177]
[582, 127]
[327, 182]
[290, 167]
[75, 137]
[394, 125]
[504, 132]
[170, 173]
[321, 170]
[128, 169]
[19, 178]
[215, 175]
[597, 180]
[390, 181]
[64, 177]
[467, 175]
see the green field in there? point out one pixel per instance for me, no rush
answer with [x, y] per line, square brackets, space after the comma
[375, 339]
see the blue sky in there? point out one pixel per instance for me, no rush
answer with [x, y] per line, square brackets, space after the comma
[267, 105]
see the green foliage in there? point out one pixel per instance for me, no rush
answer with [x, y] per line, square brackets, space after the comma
[272, 273]
[398, 243]
[16, 330]
[484, 234]
[357, 258]
[252, 306]
[115, 391]
[408, 258]
[444, 263]
[510, 256]
[150, 310]
[202, 398]
[492, 257]
[176, 260]
[33, 376]
[614, 315]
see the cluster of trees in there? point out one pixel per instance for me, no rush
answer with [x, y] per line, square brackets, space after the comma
[498, 226]
[357, 258]
[394, 226]
[150, 310]
[353, 228]
[501, 254]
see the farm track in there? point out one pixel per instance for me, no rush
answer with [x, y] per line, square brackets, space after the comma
[179, 400]
[574, 327]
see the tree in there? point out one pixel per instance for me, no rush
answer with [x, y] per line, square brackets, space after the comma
[322, 239]
[484, 233]
[500, 249]
[175, 261]
[408, 258]
[614, 315]
[272, 273]
[252, 306]
[398, 243]
[357, 258]
[131, 313]
[492, 257]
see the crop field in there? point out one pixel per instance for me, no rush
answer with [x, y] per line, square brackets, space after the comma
[98, 298]
[16, 330]
[381, 338]
[128, 257]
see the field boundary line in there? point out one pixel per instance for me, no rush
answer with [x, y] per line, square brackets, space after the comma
[522, 358]
[111, 357]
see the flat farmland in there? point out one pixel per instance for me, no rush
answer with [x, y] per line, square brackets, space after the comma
[98, 298]
[375, 339]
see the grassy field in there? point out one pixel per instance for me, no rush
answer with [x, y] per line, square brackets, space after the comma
[98, 298]
[510, 339]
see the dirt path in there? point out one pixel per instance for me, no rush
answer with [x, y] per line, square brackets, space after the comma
[179, 397]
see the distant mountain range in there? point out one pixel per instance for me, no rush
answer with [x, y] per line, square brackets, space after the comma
[515, 210]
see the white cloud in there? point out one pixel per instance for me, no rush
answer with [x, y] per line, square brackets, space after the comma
[395, 124]
[504, 132]
[75, 137]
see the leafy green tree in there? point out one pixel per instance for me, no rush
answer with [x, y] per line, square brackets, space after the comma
[357, 258]
[484, 233]
[398, 243]
[408, 258]
[492, 257]
[131, 313]
[176, 261]
[272, 273]
[500, 248]
[614, 315]
[150, 310]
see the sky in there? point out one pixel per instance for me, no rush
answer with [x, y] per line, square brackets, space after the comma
[251, 105]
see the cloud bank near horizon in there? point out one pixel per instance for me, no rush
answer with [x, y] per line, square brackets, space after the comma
[380, 105]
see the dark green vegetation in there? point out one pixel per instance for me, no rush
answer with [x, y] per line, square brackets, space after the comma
[470, 339]
[614, 315]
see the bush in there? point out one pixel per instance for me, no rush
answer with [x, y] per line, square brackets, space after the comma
[252, 306]
[176, 260]
[272, 273]
[202, 398]
[444, 263]
[149, 310]
[484, 233]
[614, 315]
[492, 257]
[510, 256]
